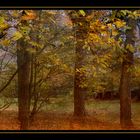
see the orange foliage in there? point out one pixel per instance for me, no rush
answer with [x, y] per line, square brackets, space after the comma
[29, 15]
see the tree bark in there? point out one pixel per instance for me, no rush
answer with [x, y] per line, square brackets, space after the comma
[125, 96]
[125, 87]
[23, 62]
[81, 26]
[79, 92]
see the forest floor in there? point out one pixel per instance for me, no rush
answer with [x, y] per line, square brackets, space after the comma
[102, 115]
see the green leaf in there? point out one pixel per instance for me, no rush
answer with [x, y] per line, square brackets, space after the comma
[82, 12]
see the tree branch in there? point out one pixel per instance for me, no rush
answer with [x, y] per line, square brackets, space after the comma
[9, 81]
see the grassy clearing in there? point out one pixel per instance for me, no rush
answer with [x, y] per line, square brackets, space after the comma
[106, 111]
[57, 115]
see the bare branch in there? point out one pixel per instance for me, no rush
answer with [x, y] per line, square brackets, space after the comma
[9, 81]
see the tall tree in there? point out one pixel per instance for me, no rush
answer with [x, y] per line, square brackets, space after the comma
[23, 65]
[81, 27]
[125, 91]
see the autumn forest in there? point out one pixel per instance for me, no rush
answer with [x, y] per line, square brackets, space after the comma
[70, 69]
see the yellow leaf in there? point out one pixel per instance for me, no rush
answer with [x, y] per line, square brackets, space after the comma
[17, 35]
[5, 42]
[3, 24]
[119, 23]
[130, 48]
[31, 50]
[103, 27]
[114, 33]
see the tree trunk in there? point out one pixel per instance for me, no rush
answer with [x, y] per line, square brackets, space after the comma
[79, 92]
[81, 26]
[23, 62]
[125, 87]
[34, 93]
[125, 96]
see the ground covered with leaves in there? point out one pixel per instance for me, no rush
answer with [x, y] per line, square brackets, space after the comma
[102, 115]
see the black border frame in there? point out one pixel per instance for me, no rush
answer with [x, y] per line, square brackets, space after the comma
[70, 4]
